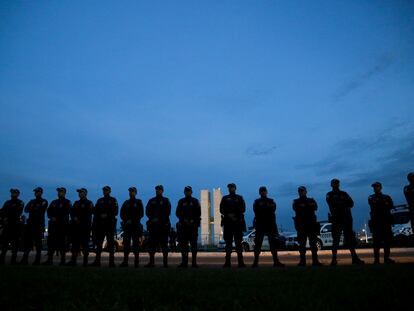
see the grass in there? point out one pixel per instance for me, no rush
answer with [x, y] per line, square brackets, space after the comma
[324, 288]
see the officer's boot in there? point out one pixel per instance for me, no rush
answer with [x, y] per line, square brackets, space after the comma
[136, 260]
[256, 260]
[124, 263]
[165, 260]
[315, 260]
[227, 263]
[240, 260]
[73, 261]
[355, 259]
[376, 256]
[302, 261]
[85, 259]
[387, 259]
[62, 258]
[111, 260]
[151, 262]
[13, 260]
[276, 262]
[97, 261]
[184, 260]
[49, 260]
[334, 262]
[36, 262]
[194, 260]
[24, 261]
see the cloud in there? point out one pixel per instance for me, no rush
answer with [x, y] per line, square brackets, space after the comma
[260, 150]
[359, 81]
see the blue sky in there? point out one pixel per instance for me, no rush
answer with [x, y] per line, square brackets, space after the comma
[205, 93]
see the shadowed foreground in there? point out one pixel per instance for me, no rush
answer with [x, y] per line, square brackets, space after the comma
[324, 288]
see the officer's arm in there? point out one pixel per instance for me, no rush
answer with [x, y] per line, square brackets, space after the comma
[243, 205]
[44, 206]
[350, 202]
[140, 209]
[314, 204]
[148, 211]
[407, 195]
[198, 210]
[27, 207]
[116, 208]
[391, 203]
[178, 210]
[168, 208]
[274, 206]
[294, 207]
[20, 209]
[122, 214]
[329, 202]
[50, 210]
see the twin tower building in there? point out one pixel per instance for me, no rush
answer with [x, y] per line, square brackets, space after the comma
[210, 227]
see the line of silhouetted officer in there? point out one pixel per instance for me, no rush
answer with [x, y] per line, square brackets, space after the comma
[380, 223]
[158, 211]
[10, 218]
[58, 215]
[409, 196]
[306, 225]
[232, 209]
[132, 211]
[80, 227]
[36, 208]
[105, 215]
[189, 215]
[264, 222]
[340, 204]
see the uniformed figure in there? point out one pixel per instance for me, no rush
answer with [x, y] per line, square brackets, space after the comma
[340, 204]
[58, 229]
[10, 219]
[80, 226]
[232, 209]
[105, 215]
[158, 211]
[35, 227]
[131, 213]
[380, 223]
[264, 223]
[306, 225]
[189, 215]
[409, 196]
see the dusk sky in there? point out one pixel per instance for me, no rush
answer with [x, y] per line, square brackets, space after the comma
[203, 93]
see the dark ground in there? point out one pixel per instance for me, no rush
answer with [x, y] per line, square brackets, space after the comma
[386, 287]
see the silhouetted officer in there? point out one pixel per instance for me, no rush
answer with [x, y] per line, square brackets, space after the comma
[306, 225]
[188, 213]
[81, 223]
[131, 213]
[10, 219]
[158, 211]
[409, 196]
[58, 229]
[232, 209]
[381, 222]
[105, 214]
[35, 226]
[265, 224]
[340, 204]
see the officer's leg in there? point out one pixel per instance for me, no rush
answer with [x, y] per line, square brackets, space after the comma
[14, 244]
[238, 238]
[76, 243]
[27, 243]
[376, 243]
[228, 239]
[258, 241]
[336, 236]
[4, 244]
[51, 246]
[135, 248]
[111, 245]
[302, 237]
[193, 244]
[387, 245]
[164, 245]
[62, 244]
[127, 247]
[271, 235]
[314, 249]
[151, 248]
[350, 241]
[99, 236]
[183, 239]
[85, 238]
[38, 244]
